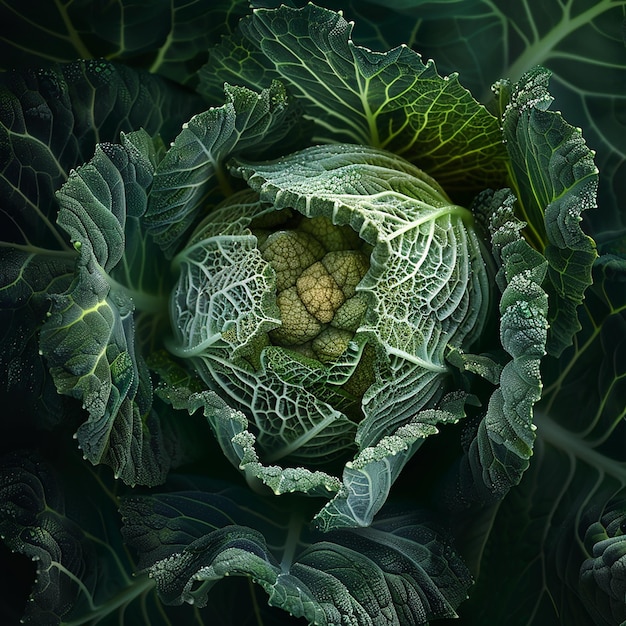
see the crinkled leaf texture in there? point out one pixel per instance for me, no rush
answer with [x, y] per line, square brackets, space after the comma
[396, 572]
[69, 527]
[89, 337]
[66, 519]
[231, 429]
[428, 289]
[487, 40]
[388, 100]
[555, 180]
[499, 451]
[427, 286]
[192, 176]
[565, 520]
[366, 480]
[50, 122]
[602, 580]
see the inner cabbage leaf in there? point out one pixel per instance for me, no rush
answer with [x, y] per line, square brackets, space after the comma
[426, 289]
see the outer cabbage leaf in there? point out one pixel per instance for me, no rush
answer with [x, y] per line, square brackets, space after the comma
[170, 38]
[231, 429]
[192, 176]
[580, 42]
[27, 279]
[398, 571]
[67, 521]
[379, 27]
[387, 100]
[50, 122]
[555, 543]
[555, 180]
[602, 583]
[89, 337]
[366, 481]
[70, 530]
[499, 451]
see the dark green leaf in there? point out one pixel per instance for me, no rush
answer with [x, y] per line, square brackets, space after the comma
[580, 42]
[602, 583]
[27, 280]
[388, 100]
[396, 572]
[500, 450]
[50, 122]
[89, 338]
[170, 38]
[66, 520]
[555, 180]
[73, 537]
[555, 542]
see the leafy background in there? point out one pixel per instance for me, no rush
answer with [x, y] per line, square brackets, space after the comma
[577, 478]
[580, 41]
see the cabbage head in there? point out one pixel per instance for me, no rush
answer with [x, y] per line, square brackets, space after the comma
[322, 300]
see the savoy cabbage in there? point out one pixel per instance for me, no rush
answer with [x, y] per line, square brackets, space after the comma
[291, 312]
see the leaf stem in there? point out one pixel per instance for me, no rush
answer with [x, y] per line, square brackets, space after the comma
[542, 48]
[255, 603]
[560, 438]
[296, 522]
[68, 253]
[72, 34]
[141, 586]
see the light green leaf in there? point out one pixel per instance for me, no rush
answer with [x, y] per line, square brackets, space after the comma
[192, 176]
[367, 480]
[396, 572]
[484, 365]
[226, 294]
[555, 180]
[89, 338]
[427, 289]
[231, 429]
[387, 100]
[427, 282]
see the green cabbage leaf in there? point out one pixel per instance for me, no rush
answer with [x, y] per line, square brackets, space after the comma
[396, 571]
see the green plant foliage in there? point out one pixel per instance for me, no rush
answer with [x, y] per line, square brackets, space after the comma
[397, 571]
[581, 43]
[299, 327]
[358, 96]
[168, 38]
